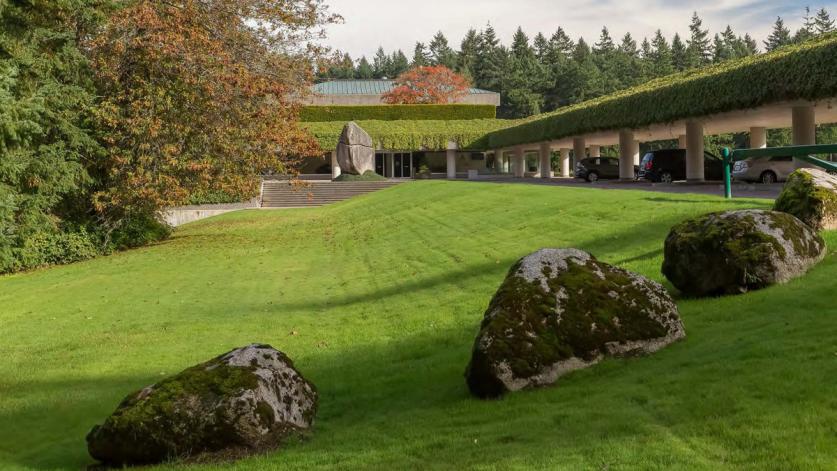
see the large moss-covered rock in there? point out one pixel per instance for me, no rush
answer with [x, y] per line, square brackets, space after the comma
[810, 195]
[559, 310]
[246, 400]
[735, 251]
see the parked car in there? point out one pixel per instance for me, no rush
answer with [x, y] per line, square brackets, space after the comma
[668, 165]
[764, 170]
[599, 168]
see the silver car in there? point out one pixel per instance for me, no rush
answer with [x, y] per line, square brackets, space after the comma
[764, 170]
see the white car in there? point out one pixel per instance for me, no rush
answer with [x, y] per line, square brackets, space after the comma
[764, 170]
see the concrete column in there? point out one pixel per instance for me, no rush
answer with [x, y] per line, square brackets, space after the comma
[546, 160]
[626, 155]
[451, 160]
[681, 141]
[391, 165]
[636, 152]
[579, 149]
[595, 151]
[694, 152]
[804, 129]
[758, 138]
[565, 163]
[519, 162]
[335, 167]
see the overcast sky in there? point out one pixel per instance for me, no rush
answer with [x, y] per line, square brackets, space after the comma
[396, 24]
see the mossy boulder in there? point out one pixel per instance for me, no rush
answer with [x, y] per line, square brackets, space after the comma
[244, 401]
[733, 252]
[811, 195]
[355, 152]
[559, 310]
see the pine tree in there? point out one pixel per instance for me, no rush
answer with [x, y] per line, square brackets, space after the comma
[780, 36]
[489, 65]
[823, 23]
[541, 46]
[45, 98]
[662, 62]
[679, 54]
[523, 78]
[381, 64]
[364, 70]
[749, 46]
[720, 51]
[467, 56]
[420, 56]
[441, 53]
[398, 64]
[605, 44]
[808, 29]
[699, 51]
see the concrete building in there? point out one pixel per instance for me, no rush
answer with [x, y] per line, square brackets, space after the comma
[369, 92]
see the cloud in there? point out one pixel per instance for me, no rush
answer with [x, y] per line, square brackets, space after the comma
[396, 24]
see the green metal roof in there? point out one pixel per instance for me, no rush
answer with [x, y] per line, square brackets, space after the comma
[366, 87]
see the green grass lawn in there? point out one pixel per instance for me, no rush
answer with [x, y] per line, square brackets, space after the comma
[378, 300]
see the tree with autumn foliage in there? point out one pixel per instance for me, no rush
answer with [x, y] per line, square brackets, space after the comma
[200, 96]
[428, 85]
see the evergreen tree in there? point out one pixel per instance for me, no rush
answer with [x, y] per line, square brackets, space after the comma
[364, 70]
[420, 56]
[808, 29]
[780, 36]
[605, 45]
[46, 94]
[523, 79]
[679, 54]
[441, 53]
[720, 49]
[662, 62]
[398, 64]
[467, 56]
[381, 64]
[560, 45]
[699, 50]
[541, 46]
[823, 23]
[749, 46]
[489, 65]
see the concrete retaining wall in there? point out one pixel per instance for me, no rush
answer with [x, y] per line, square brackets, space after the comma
[185, 214]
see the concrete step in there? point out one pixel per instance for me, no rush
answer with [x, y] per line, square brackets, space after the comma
[279, 194]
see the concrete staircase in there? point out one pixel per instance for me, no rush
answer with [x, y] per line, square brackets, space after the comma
[280, 193]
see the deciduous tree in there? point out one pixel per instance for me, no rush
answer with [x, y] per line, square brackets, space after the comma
[427, 85]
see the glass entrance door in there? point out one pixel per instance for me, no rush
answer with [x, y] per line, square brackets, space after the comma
[402, 165]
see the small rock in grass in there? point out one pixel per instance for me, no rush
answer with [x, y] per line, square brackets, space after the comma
[811, 195]
[244, 401]
[559, 310]
[733, 252]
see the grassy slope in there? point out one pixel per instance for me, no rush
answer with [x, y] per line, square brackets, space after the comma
[378, 300]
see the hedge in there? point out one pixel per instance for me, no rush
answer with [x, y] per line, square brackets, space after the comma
[414, 135]
[806, 71]
[397, 112]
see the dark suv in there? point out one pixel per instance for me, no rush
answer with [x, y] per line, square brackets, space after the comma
[668, 165]
[596, 168]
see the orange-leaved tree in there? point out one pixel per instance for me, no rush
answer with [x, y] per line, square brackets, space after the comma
[427, 85]
[200, 96]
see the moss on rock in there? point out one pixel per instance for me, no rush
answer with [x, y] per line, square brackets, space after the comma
[249, 398]
[811, 196]
[736, 251]
[559, 310]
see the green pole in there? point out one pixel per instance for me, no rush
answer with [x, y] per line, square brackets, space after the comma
[727, 170]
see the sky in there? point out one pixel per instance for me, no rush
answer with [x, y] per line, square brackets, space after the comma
[398, 24]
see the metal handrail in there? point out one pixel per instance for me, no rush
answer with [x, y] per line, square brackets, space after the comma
[803, 153]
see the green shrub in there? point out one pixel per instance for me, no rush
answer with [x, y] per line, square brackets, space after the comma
[214, 197]
[368, 176]
[58, 248]
[419, 134]
[139, 230]
[424, 173]
[397, 112]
